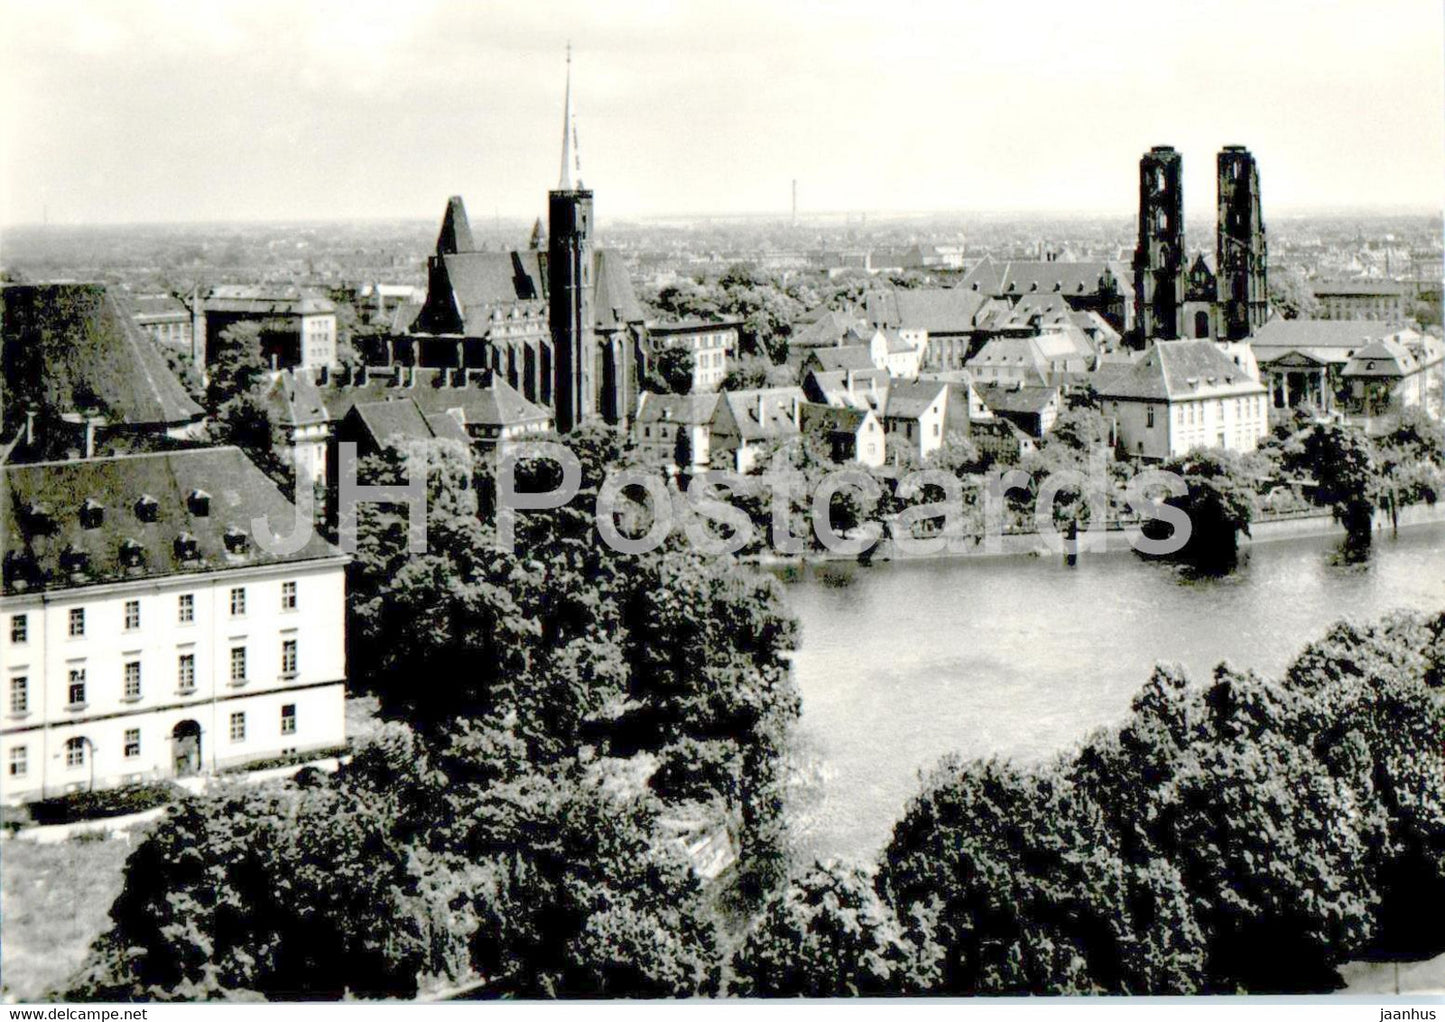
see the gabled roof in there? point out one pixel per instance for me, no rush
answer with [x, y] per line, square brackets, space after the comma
[1172, 370]
[761, 414]
[938, 310]
[1382, 358]
[816, 418]
[485, 400]
[853, 356]
[688, 409]
[77, 348]
[1003, 398]
[1021, 276]
[238, 492]
[614, 303]
[296, 398]
[826, 331]
[831, 386]
[402, 420]
[910, 399]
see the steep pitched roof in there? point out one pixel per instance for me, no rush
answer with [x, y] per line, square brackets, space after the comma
[1028, 276]
[938, 310]
[456, 233]
[236, 492]
[498, 403]
[826, 331]
[1004, 399]
[614, 302]
[485, 400]
[1171, 370]
[296, 398]
[852, 356]
[688, 409]
[761, 414]
[909, 400]
[76, 347]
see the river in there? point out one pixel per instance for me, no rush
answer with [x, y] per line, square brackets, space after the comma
[901, 663]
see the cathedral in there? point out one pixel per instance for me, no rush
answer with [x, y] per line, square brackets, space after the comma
[560, 323]
[1224, 297]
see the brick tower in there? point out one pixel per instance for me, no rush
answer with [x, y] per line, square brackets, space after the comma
[1242, 259]
[569, 284]
[1159, 270]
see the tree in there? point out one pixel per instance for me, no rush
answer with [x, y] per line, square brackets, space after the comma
[1219, 503]
[751, 372]
[1344, 465]
[1291, 295]
[830, 935]
[674, 369]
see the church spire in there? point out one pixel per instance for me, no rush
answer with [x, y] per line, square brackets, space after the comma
[571, 165]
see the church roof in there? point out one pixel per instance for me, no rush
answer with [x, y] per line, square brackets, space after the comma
[77, 348]
[1027, 276]
[456, 232]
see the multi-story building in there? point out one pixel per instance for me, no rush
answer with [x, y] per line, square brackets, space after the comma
[297, 328]
[710, 343]
[1181, 395]
[147, 635]
[168, 321]
[1386, 300]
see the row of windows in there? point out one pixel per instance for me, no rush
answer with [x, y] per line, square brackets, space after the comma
[77, 749]
[185, 613]
[185, 677]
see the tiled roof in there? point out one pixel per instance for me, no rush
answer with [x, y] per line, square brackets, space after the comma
[485, 400]
[614, 303]
[824, 332]
[402, 419]
[1280, 335]
[1382, 358]
[763, 413]
[689, 409]
[296, 398]
[210, 495]
[1171, 370]
[852, 356]
[1019, 277]
[909, 400]
[480, 282]
[816, 418]
[1018, 400]
[76, 347]
[938, 310]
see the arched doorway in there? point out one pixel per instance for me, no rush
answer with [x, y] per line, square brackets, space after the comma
[1201, 324]
[186, 748]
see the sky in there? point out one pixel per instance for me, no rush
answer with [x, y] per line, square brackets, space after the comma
[119, 111]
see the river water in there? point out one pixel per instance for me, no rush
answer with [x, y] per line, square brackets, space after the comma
[902, 663]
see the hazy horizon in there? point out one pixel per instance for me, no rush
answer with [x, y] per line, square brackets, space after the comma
[167, 112]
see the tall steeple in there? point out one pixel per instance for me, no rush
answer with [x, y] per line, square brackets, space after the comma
[571, 164]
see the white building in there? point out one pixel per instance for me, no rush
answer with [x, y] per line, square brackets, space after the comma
[147, 636]
[710, 343]
[1181, 395]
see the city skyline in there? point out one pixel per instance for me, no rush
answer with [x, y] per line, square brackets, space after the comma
[162, 112]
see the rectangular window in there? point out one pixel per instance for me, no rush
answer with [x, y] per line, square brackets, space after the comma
[132, 679]
[238, 727]
[19, 628]
[185, 608]
[132, 615]
[238, 664]
[132, 743]
[288, 658]
[75, 752]
[238, 602]
[77, 621]
[19, 761]
[1149, 417]
[77, 686]
[186, 672]
[288, 595]
[288, 719]
[19, 695]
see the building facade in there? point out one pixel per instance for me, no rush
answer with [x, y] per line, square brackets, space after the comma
[146, 636]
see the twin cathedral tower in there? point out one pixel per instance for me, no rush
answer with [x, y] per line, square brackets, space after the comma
[1162, 278]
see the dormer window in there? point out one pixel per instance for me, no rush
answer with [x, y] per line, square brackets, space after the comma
[237, 542]
[132, 554]
[199, 502]
[147, 509]
[186, 548]
[19, 569]
[74, 560]
[92, 514]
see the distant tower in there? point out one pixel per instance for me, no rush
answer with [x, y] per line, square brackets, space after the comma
[569, 283]
[1159, 260]
[1242, 259]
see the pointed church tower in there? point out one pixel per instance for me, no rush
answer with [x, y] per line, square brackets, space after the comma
[456, 232]
[538, 236]
[569, 283]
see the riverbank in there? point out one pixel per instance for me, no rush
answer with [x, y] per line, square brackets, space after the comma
[1113, 539]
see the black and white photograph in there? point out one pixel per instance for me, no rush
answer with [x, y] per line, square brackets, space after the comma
[748, 501]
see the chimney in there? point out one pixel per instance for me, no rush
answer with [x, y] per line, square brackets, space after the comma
[90, 437]
[849, 380]
[30, 427]
[760, 407]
